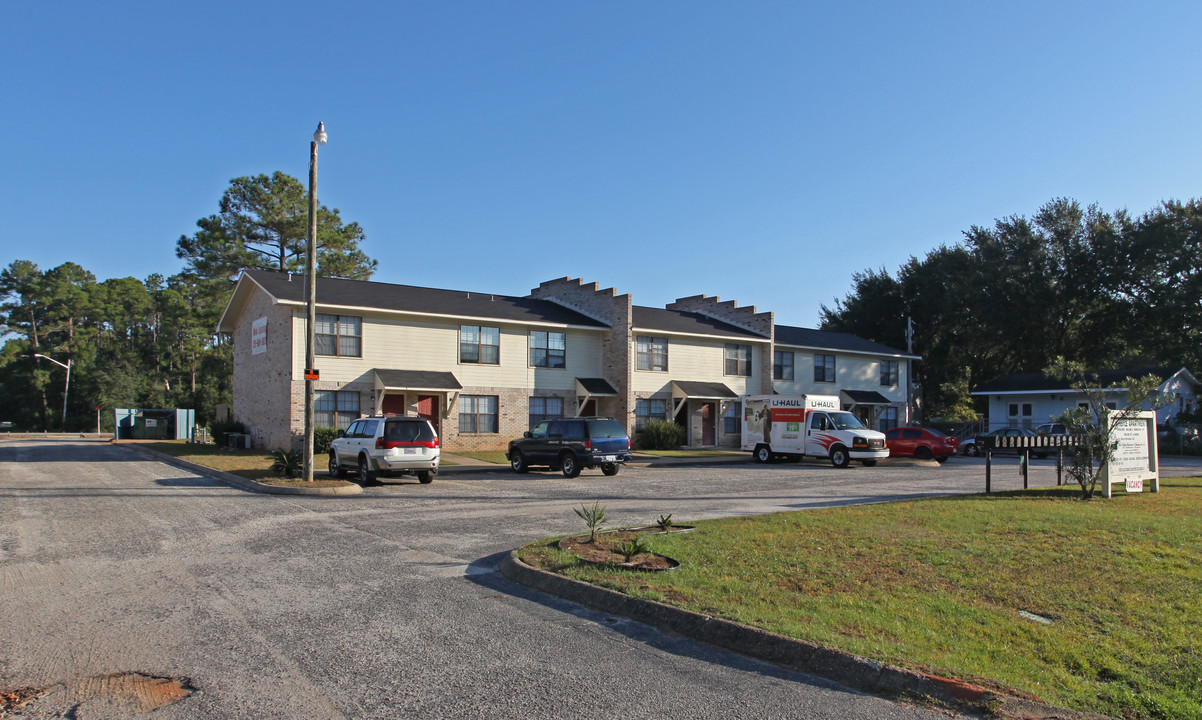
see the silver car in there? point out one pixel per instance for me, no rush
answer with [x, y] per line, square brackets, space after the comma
[386, 445]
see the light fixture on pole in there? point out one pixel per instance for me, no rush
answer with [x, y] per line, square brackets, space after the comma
[66, 385]
[319, 138]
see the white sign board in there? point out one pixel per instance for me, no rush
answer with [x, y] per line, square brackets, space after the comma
[258, 336]
[1135, 455]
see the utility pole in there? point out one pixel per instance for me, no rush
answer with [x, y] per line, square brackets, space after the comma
[319, 138]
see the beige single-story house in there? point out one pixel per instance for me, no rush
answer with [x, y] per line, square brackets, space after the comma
[484, 368]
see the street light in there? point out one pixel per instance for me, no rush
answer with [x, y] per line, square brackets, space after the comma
[66, 386]
[319, 138]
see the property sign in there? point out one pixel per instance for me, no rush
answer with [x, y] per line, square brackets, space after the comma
[258, 336]
[1135, 459]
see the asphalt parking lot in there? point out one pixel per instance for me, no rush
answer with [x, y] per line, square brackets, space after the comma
[381, 605]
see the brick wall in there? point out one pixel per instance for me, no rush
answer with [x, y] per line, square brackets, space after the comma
[261, 382]
[616, 311]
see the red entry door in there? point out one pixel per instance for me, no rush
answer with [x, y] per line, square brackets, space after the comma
[427, 407]
[707, 424]
[393, 405]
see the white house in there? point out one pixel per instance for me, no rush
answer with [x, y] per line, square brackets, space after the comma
[1030, 399]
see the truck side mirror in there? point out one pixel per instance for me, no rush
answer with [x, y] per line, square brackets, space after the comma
[341, 432]
[527, 434]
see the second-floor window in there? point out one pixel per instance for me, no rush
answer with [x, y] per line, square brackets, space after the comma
[824, 368]
[738, 360]
[339, 335]
[547, 349]
[782, 365]
[888, 373]
[652, 353]
[479, 344]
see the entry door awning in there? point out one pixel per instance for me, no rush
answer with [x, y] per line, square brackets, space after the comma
[589, 388]
[865, 397]
[684, 390]
[423, 380]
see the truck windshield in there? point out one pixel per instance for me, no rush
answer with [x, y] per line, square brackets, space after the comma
[846, 421]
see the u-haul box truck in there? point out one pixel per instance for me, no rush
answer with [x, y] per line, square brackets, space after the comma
[795, 425]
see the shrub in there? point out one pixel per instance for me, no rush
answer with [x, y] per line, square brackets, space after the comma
[661, 435]
[322, 437]
[629, 548]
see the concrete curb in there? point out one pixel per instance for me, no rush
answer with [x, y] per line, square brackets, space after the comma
[241, 482]
[799, 655]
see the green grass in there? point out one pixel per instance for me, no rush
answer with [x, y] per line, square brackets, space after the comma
[492, 456]
[250, 464]
[937, 585]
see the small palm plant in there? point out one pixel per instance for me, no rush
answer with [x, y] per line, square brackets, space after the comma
[665, 522]
[594, 517]
[629, 548]
[286, 464]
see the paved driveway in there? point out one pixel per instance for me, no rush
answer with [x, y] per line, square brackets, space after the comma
[383, 605]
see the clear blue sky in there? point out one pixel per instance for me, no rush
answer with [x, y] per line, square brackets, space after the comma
[758, 151]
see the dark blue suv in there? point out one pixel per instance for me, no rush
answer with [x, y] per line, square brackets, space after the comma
[569, 444]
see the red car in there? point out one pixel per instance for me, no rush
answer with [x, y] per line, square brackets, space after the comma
[921, 443]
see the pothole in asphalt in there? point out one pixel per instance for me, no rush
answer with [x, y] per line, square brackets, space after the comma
[131, 691]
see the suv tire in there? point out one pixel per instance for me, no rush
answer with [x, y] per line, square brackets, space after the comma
[425, 477]
[366, 476]
[569, 465]
[336, 470]
[610, 468]
[517, 461]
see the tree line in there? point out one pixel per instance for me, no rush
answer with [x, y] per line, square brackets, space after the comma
[152, 343]
[1106, 289]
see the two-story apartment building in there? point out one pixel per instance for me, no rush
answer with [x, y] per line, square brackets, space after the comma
[484, 368]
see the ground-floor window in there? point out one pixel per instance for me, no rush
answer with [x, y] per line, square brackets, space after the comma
[887, 419]
[545, 408]
[732, 419]
[335, 408]
[647, 410]
[477, 413]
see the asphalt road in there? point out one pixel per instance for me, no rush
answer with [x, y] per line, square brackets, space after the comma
[384, 605]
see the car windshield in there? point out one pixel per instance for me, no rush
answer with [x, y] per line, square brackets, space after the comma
[846, 421]
[408, 431]
[606, 429]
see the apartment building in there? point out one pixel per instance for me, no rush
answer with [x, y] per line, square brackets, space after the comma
[484, 368]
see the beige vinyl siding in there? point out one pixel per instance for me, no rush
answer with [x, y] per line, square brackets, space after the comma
[409, 344]
[698, 360]
[852, 372]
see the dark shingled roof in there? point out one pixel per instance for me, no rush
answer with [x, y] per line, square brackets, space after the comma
[409, 298]
[417, 379]
[1040, 382]
[704, 390]
[827, 340]
[649, 318]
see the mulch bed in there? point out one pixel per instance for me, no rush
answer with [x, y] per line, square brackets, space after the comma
[603, 550]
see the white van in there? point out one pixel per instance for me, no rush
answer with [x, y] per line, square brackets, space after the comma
[793, 426]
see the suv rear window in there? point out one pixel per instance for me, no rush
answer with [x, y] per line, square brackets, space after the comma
[408, 431]
[605, 429]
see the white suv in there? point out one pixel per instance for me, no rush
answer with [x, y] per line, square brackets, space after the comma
[386, 445]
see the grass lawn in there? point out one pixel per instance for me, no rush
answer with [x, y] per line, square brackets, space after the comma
[250, 464]
[937, 585]
[492, 456]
